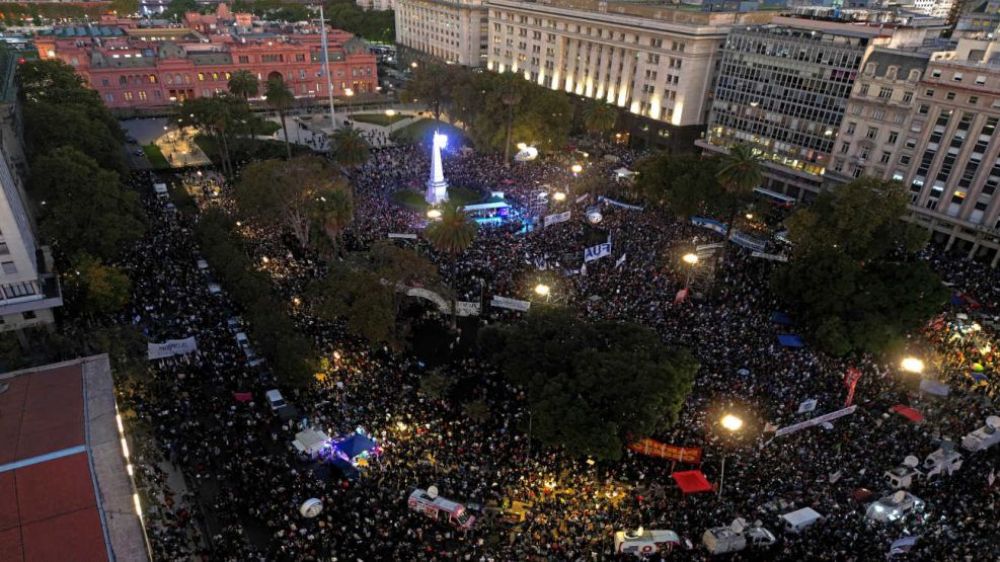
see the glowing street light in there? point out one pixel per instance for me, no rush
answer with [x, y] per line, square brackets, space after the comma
[576, 168]
[390, 113]
[433, 214]
[733, 424]
[912, 365]
[749, 216]
[348, 92]
[543, 290]
[413, 64]
[690, 259]
[559, 196]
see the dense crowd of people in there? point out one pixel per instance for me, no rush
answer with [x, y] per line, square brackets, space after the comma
[248, 483]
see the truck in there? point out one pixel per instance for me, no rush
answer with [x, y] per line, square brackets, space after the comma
[642, 543]
[894, 507]
[984, 437]
[433, 506]
[736, 537]
[942, 461]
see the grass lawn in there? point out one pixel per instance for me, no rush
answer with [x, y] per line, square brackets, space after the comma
[380, 119]
[422, 130]
[156, 158]
[267, 128]
[245, 150]
[414, 200]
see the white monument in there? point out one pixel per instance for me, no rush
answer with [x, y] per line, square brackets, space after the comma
[437, 186]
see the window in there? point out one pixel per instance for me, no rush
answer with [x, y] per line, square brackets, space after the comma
[924, 109]
[3, 249]
[299, 57]
[886, 156]
[29, 315]
[957, 77]
[980, 80]
[893, 137]
[936, 73]
[8, 267]
[201, 76]
[929, 93]
[244, 59]
[885, 93]
[911, 143]
[845, 147]
[973, 100]
[850, 127]
[864, 90]
[872, 132]
[864, 154]
[907, 97]
[950, 96]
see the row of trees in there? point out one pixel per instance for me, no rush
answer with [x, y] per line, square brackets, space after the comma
[498, 110]
[84, 210]
[852, 278]
[290, 353]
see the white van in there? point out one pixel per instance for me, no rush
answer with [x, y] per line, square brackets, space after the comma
[894, 507]
[429, 503]
[644, 543]
[942, 462]
[275, 400]
[720, 540]
[984, 437]
[799, 520]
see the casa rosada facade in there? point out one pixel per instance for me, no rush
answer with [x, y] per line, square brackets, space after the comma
[142, 67]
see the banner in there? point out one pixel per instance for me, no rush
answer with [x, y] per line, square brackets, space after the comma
[242, 396]
[710, 224]
[934, 387]
[557, 218]
[170, 348]
[512, 304]
[703, 248]
[464, 308]
[748, 242]
[597, 252]
[620, 261]
[851, 378]
[653, 448]
[815, 421]
[408, 236]
[620, 204]
[582, 198]
[681, 295]
[772, 257]
[807, 406]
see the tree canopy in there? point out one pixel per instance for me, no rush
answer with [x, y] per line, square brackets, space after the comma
[853, 279]
[683, 184]
[592, 386]
[453, 232]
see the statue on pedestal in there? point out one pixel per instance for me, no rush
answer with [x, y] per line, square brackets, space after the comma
[437, 186]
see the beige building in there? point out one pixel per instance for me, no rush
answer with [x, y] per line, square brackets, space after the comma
[380, 5]
[29, 289]
[654, 61]
[930, 121]
[452, 31]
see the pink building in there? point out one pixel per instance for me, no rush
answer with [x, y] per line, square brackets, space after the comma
[147, 67]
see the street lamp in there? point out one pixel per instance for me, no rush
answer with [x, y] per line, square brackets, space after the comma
[390, 113]
[543, 290]
[559, 196]
[912, 365]
[749, 216]
[733, 424]
[692, 261]
[433, 214]
[576, 169]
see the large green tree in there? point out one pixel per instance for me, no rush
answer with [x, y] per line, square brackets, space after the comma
[853, 278]
[430, 87]
[82, 207]
[357, 295]
[592, 386]
[101, 289]
[683, 184]
[294, 194]
[349, 147]
[453, 232]
[599, 118]
[740, 171]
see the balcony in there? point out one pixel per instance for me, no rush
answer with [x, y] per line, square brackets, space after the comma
[49, 294]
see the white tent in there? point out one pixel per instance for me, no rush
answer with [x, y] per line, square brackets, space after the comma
[310, 441]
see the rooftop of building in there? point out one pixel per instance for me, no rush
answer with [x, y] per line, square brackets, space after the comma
[903, 61]
[661, 11]
[71, 31]
[64, 491]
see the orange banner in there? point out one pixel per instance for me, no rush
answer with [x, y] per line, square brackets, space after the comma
[654, 448]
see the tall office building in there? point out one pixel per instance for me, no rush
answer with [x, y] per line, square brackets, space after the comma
[452, 31]
[29, 289]
[930, 121]
[783, 89]
[654, 61]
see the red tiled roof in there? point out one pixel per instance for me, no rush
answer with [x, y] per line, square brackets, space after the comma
[48, 510]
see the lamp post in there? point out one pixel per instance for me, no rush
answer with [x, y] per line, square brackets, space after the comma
[576, 169]
[559, 196]
[692, 261]
[543, 290]
[434, 214]
[912, 365]
[733, 424]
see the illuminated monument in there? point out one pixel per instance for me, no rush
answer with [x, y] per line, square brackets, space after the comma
[437, 186]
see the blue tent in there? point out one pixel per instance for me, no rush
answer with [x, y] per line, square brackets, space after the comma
[790, 340]
[781, 318]
[355, 445]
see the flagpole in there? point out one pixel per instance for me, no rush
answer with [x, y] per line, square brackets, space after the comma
[326, 66]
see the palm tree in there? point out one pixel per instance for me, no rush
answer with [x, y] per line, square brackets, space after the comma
[599, 118]
[244, 85]
[280, 98]
[334, 210]
[451, 234]
[509, 98]
[349, 147]
[740, 172]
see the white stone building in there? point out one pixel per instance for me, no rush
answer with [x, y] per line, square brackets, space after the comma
[452, 31]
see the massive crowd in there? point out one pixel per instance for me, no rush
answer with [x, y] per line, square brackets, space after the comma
[248, 483]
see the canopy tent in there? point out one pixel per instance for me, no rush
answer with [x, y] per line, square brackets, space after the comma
[310, 441]
[780, 318]
[692, 481]
[790, 340]
[355, 445]
[908, 413]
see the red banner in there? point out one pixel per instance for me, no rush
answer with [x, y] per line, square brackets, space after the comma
[654, 448]
[851, 378]
[242, 396]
